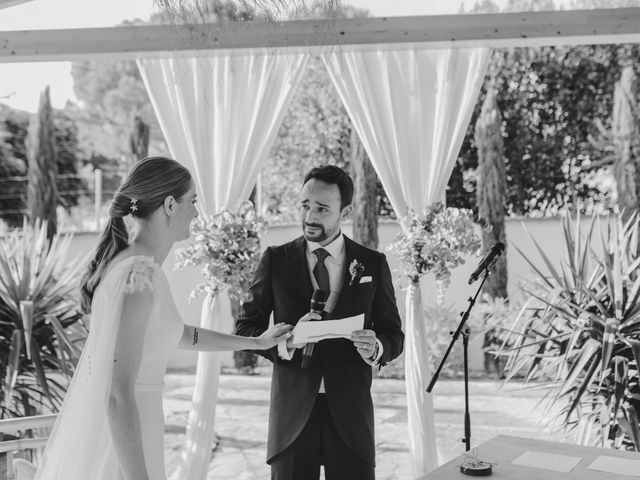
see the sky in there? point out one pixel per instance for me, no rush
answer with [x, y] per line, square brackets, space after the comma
[21, 84]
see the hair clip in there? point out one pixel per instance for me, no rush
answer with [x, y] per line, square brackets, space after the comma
[134, 205]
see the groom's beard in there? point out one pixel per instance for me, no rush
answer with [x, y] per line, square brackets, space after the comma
[318, 236]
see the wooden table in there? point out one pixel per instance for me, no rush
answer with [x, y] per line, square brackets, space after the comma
[501, 450]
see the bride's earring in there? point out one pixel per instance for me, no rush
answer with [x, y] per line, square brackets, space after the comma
[170, 222]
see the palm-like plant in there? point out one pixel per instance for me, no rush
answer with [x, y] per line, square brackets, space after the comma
[580, 333]
[40, 334]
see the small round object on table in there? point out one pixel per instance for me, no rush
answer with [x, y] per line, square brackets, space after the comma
[476, 469]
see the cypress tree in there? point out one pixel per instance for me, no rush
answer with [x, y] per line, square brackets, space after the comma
[42, 190]
[490, 190]
[365, 203]
[625, 138]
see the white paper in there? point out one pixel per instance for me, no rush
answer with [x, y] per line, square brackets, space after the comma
[547, 461]
[620, 466]
[314, 331]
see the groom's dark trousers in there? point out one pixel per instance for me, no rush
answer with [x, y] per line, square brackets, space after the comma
[335, 428]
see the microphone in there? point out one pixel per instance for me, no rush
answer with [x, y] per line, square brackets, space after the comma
[318, 301]
[487, 262]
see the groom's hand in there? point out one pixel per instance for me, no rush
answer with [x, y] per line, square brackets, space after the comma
[309, 316]
[365, 342]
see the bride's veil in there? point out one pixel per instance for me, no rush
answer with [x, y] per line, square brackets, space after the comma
[80, 439]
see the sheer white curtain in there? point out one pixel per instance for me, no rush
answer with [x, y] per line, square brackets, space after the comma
[219, 115]
[411, 107]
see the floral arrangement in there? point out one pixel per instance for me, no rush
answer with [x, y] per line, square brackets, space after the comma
[227, 248]
[356, 269]
[435, 241]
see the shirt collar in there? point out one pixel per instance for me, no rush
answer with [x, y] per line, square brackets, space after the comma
[334, 248]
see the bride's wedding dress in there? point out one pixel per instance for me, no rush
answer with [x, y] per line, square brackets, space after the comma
[80, 446]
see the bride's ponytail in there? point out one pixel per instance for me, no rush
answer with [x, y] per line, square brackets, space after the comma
[149, 182]
[114, 239]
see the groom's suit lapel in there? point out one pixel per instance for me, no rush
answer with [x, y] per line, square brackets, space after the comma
[343, 295]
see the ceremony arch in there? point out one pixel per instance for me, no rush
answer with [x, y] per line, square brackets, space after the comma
[409, 85]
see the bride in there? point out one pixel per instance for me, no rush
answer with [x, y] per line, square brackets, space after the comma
[111, 424]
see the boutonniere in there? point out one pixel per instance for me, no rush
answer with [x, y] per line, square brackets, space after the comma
[356, 269]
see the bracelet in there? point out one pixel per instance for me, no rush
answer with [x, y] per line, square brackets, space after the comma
[375, 352]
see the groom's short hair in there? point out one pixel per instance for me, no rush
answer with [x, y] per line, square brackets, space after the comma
[333, 176]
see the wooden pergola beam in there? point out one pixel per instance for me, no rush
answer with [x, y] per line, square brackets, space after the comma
[11, 3]
[573, 27]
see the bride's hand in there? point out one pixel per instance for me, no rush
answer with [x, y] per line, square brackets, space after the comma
[274, 335]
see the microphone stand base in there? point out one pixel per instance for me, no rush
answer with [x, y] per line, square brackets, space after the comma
[478, 469]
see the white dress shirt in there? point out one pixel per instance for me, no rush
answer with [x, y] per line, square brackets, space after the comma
[335, 267]
[334, 263]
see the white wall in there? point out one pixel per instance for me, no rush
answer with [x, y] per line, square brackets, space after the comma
[547, 232]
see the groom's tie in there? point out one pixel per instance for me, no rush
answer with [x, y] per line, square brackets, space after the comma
[320, 270]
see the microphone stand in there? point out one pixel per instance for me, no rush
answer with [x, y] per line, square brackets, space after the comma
[464, 330]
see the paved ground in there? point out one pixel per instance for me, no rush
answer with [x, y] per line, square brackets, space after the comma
[242, 413]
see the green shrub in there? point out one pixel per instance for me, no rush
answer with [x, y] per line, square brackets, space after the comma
[579, 334]
[41, 332]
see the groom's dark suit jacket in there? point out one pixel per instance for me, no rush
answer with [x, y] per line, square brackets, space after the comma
[282, 285]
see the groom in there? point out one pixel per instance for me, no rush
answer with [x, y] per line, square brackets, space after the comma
[323, 414]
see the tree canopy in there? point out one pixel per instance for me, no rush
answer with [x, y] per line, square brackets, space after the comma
[14, 126]
[552, 100]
